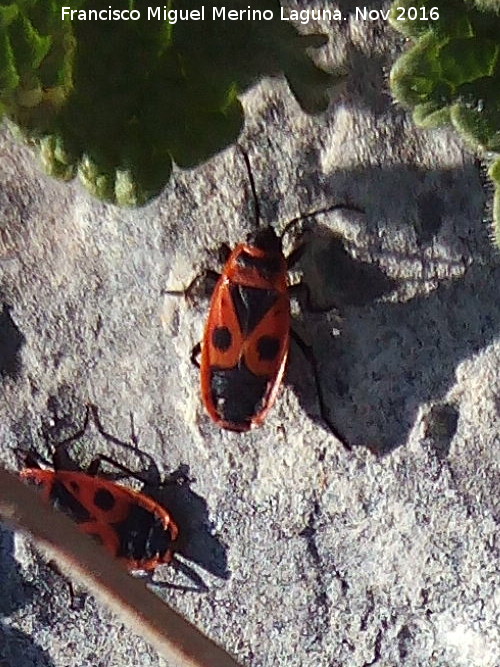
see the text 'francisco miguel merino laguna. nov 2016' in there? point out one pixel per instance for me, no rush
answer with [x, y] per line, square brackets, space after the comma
[172, 16]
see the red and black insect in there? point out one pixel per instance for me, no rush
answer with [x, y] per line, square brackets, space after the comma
[132, 527]
[246, 340]
[247, 336]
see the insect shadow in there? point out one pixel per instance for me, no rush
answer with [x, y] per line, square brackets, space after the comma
[189, 510]
[335, 280]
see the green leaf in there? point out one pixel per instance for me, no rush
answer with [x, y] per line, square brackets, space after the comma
[9, 78]
[98, 182]
[445, 18]
[399, 20]
[416, 74]
[30, 47]
[452, 74]
[488, 5]
[8, 13]
[129, 97]
[481, 128]
[494, 172]
[466, 59]
[55, 158]
[431, 114]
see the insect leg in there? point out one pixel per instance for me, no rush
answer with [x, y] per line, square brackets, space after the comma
[77, 595]
[205, 278]
[308, 353]
[95, 465]
[32, 459]
[195, 353]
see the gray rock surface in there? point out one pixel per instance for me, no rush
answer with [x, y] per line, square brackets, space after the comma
[313, 555]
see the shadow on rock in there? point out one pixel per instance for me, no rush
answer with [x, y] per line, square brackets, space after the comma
[197, 542]
[11, 341]
[390, 358]
[391, 354]
[394, 357]
[16, 648]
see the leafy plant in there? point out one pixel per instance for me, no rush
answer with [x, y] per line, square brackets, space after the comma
[452, 72]
[116, 101]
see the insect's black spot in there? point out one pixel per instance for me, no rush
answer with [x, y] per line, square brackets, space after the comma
[64, 499]
[251, 304]
[238, 395]
[268, 347]
[74, 486]
[222, 338]
[104, 500]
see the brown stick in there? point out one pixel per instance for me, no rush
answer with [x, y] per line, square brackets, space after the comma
[176, 639]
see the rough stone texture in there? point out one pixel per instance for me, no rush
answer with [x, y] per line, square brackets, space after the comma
[313, 555]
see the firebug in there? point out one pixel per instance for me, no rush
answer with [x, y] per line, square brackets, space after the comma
[133, 528]
[246, 341]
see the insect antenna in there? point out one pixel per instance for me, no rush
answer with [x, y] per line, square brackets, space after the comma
[291, 224]
[288, 227]
[256, 206]
[124, 446]
[62, 450]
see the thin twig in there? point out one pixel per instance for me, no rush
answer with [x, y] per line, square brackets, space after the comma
[173, 637]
